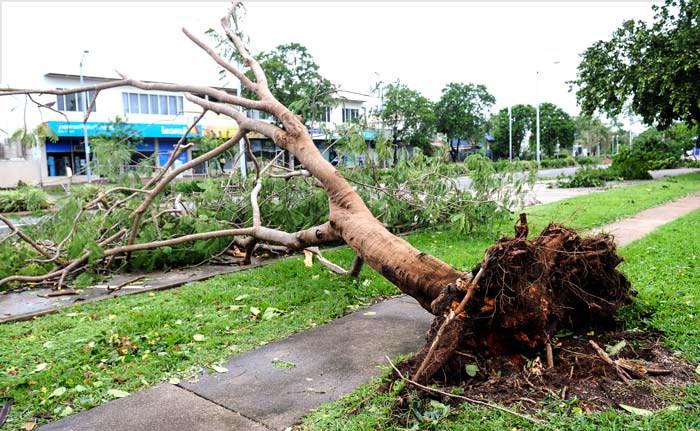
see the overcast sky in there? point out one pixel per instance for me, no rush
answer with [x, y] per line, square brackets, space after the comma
[427, 45]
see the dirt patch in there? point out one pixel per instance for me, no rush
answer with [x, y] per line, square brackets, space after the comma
[578, 374]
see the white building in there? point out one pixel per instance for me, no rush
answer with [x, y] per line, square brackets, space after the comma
[160, 117]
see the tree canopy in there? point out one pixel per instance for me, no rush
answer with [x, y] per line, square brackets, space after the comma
[408, 114]
[462, 111]
[652, 68]
[556, 127]
[591, 132]
[295, 80]
[523, 121]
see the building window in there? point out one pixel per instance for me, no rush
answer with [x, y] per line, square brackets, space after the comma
[75, 102]
[256, 115]
[325, 115]
[139, 103]
[350, 114]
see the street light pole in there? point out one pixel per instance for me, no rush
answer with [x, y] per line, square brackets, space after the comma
[537, 122]
[86, 144]
[537, 98]
[510, 135]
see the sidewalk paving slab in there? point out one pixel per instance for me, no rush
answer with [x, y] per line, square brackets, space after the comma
[329, 361]
[162, 407]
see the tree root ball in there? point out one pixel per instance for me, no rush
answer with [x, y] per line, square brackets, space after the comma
[529, 290]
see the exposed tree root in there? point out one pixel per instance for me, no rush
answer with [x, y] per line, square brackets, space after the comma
[524, 292]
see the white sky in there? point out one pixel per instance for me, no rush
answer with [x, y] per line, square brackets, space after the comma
[426, 45]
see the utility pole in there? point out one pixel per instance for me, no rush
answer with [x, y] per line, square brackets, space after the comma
[86, 144]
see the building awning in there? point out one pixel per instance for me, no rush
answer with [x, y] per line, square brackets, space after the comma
[154, 130]
[220, 131]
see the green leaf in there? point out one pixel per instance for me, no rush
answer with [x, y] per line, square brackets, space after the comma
[117, 393]
[58, 392]
[636, 410]
[174, 381]
[697, 369]
[241, 297]
[40, 367]
[617, 348]
[255, 311]
[198, 337]
[272, 312]
[278, 363]
[471, 369]
[68, 410]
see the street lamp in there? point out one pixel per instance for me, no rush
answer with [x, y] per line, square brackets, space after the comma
[510, 134]
[86, 144]
[537, 97]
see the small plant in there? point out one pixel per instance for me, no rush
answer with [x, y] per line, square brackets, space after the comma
[23, 199]
[588, 177]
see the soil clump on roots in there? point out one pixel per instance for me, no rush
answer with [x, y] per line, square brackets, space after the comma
[537, 321]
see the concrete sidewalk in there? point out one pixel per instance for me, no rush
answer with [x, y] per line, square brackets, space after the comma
[318, 365]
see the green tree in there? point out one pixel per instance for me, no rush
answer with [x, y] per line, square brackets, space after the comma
[523, 118]
[556, 127]
[462, 112]
[295, 80]
[655, 68]
[114, 149]
[592, 132]
[409, 115]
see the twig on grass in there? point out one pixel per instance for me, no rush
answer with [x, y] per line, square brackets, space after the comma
[467, 399]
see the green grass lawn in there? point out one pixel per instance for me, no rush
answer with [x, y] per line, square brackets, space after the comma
[89, 354]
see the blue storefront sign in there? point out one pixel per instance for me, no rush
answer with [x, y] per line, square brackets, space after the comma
[75, 129]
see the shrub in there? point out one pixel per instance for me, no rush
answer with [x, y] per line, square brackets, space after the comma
[588, 161]
[630, 165]
[23, 199]
[589, 177]
[558, 163]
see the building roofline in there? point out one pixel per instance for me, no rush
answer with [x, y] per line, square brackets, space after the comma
[105, 79]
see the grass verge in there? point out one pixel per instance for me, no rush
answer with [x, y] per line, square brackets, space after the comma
[60, 364]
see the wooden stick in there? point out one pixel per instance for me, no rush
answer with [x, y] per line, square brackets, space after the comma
[450, 318]
[604, 356]
[550, 356]
[126, 283]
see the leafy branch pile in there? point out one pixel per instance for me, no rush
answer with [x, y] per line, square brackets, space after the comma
[411, 195]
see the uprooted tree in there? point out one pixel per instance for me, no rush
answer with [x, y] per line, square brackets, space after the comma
[516, 299]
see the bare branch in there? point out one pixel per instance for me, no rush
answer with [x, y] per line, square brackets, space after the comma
[50, 108]
[90, 106]
[223, 63]
[353, 271]
[262, 89]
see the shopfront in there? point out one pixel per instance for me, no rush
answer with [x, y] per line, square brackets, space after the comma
[158, 143]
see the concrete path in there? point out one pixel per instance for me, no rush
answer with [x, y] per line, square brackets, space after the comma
[16, 306]
[633, 228]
